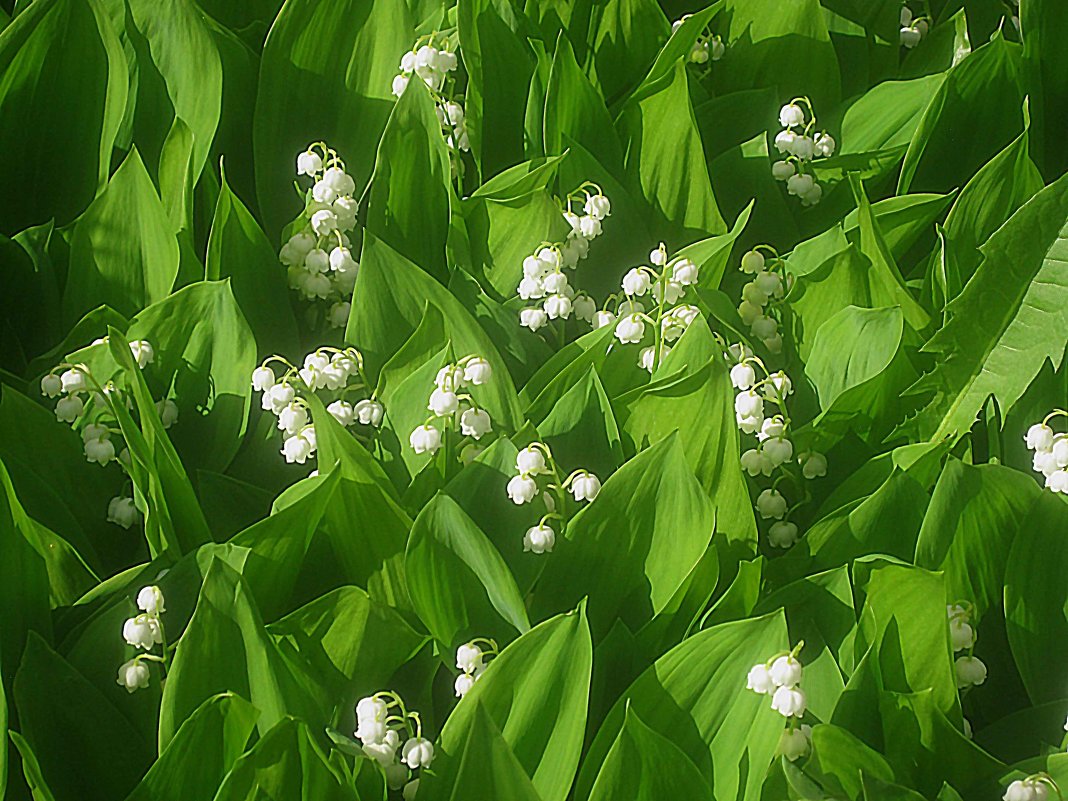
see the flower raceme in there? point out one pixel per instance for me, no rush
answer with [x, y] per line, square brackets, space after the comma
[144, 631]
[969, 669]
[801, 146]
[1050, 452]
[392, 735]
[471, 660]
[780, 677]
[453, 406]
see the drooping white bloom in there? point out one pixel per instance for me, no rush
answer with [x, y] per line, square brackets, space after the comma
[685, 272]
[647, 356]
[779, 386]
[368, 412]
[752, 262]
[824, 145]
[754, 463]
[51, 385]
[371, 716]
[533, 318]
[759, 680]
[782, 170]
[814, 465]
[425, 439]
[636, 281]
[385, 751]
[1057, 481]
[786, 671]
[800, 184]
[771, 504]
[475, 423]
[1060, 450]
[630, 329]
[150, 600]
[464, 682]
[263, 378]
[522, 489]
[100, 450]
[749, 404]
[309, 163]
[749, 312]
[530, 461]
[324, 222]
[557, 307]
[603, 318]
[443, 402]
[782, 534]
[76, 379]
[539, 539]
[961, 634]
[417, 752]
[122, 511]
[469, 658]
[342, 412]
[597, 206]
[791, 115]
[585, 486]
[778, 449]
[478, 371]
[142, 631]
[450, 377]
[292, 418]
[1039, 437]
[143, 352]
[133, 675]
[796, 743]
[585, 307]
[789, 702]
[752, 293]
[277, 397]
[970, 671]
[297, 448]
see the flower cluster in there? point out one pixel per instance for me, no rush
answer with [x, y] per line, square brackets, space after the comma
[320, 263]
[471, 659]
[1035, 787]
[780, 677]
[452, 407]
[393, 737]
[666, 282]
[970, 669]
[543, 277]
[453, 124]
[532, 463]
[429, 63]
[913, 29]
[324, 369]
[761, 296]
[1051, 452]
[796, 142]
[144, 631]
[706, 48]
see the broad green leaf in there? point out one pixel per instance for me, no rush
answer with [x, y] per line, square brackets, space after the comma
[976, 513]
[62, 98]
[989, 345]
[31, 768]
[225, 648]
[123, 250]
[901, 220]
[239, 250]
[1045, 67]
[989, 198]
[535, 692]
[581, 429]
[483, 760]
[1036, 596]
[983, 95]
[842, 762]
[389, 301]
[326, 74]
[498, 60]
[887, 115]
[630, 549]
[409, 199]
[695, 696]
[646, 766]
[287, 762]
[85, 747]
[628, 38]
[202, 752]
[665, 161]
[346, 646]
[460, 586]
[205, 350]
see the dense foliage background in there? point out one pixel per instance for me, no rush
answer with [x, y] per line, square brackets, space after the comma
[148, 155]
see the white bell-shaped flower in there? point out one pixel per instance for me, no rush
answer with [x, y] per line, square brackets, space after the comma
[76, 379]
[469, 658]
[263, 378]
[961, 634]
[533, 318]
[824, 145]
[800, 184]
[475, 423]
[786, 671]
[539, 539]
[814, 465]
[477, 371]
[464, 682]
[685, 272]
[1057, 481]
[1039, 437]
[803, 147]
[133, 675]
[1043, 461]
[784, 141]
[782, 534]
[1059, 449]
[142, 631]
[603, 318]
[425, 439]
[756, 463]
[343, 412]
[585, 308]
[292, 418]
[783, 170]
[759, 680]
[368, 412]
[970, 671]
[443, 402]
[630, 329]
[778, 449]
[122, 511]
[789, 702]
[51, 385]
[385, 751]
[597, 206]
[557, 307]
[418, 752]
[297, 448]
[530, 461]
[324, 222]
[749, 404]
[143, 352]
[150, 600]
[796, 743]
[771, 504]
[309, 163]
[585, 486]
[791, 115]
[522, 489]
[589, 227]
[100, 450]
[636, 281]
[277, 397]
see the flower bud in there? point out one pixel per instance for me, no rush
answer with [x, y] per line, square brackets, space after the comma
[910, 37]
[782, 170]
[133, 675]
[539, 539]
[122, 512]
[752, 262]
[585, 308]
[51, 385]
[425, 439]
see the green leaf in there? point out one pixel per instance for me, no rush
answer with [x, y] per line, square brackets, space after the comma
[335, 62]
[202, 752]
[206, 352]
[409, 203]
[287, 762]
[581, 429]
[628, 38]
[630, 549]
[647, 766]
[976, 513]
[460, 586]
[1036, 596]
[1045, 23]
[535, 692]
[483, 760]
[239, 250]
[695, 696]
[226, 648]
[901, 220]
[665, 159]
[31, 768]
[61, 102]
[123, 251]
[842, 763]
[86, 748]
[887, 115]
[988, 346]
